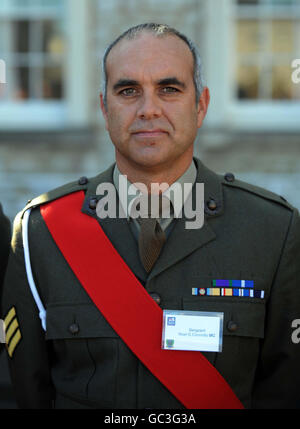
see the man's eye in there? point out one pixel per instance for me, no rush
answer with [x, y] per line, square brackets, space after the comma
[128, 91]
[169, 89]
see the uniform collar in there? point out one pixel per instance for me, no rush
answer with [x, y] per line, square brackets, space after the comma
[174, 193]
[213, 193]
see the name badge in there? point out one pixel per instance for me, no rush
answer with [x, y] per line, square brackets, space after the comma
[192, 330]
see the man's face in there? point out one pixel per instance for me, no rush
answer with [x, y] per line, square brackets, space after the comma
[151, 115]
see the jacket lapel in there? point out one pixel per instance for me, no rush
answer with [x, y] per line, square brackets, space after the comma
[117, 230]
[182, 242]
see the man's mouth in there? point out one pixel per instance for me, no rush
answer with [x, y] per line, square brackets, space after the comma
[149, 133]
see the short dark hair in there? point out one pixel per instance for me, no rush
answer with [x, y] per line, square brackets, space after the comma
[158, 30]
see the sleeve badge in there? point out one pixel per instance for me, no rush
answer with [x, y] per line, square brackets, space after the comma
[12, 331]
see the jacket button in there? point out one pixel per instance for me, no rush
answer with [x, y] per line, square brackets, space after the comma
[74, 329]
[93, 204]
[211, 204]
[83, 181]
[229, 177]
[156, 297]
[232, 326]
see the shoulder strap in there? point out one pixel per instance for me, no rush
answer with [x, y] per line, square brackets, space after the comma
[259, 192]
[129, 309]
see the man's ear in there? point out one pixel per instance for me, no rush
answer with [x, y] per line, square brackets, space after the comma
[203, 106]
[104, 111]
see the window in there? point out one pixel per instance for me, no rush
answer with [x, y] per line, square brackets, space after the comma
[33, 43]
[248, 65]
[42, 43]
[254, 88]
[267, 40]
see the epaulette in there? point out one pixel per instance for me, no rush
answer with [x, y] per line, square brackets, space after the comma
[69, 188]
[230, 180]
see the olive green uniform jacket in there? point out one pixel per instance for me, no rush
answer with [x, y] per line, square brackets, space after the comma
[81, 362]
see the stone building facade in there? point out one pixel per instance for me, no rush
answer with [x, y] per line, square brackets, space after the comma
[54, 133]
[44, 143]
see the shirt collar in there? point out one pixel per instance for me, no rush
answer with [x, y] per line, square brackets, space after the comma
[175, 193]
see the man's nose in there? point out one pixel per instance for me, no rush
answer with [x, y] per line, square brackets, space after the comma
[149, 106]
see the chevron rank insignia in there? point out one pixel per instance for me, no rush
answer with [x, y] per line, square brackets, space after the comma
[12, 331]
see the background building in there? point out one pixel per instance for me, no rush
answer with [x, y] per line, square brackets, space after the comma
[51, 129]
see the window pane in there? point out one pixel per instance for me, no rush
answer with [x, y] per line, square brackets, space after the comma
[282, 85]
[53, 41]
[248, 77]
[22, 83]
[21, 36]
[36, 82]
[248, 36]
[282, 36]
[52, 83]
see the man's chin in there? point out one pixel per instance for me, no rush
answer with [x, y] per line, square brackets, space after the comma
[150, 158]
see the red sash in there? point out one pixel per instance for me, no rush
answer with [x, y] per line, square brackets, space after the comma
[129, 309]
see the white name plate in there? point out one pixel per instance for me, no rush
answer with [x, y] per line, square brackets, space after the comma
[192, 330]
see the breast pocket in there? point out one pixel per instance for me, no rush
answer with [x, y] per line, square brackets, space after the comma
[85, 352]
[77, 321]
[243, 330]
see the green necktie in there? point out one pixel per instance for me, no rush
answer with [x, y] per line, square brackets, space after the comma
[151, 241]
[151, 236]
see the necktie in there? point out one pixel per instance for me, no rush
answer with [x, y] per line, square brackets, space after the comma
[151, 241]
[152, 236]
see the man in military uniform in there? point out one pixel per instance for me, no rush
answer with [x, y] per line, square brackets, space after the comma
[4, 251]
[73, 296]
